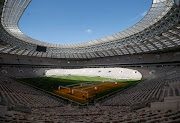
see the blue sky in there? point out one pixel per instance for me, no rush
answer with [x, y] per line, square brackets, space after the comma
[76, 21]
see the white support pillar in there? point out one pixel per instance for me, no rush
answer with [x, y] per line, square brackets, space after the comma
[95, 88]
[81, 85]
[59, 88]
[72, 91]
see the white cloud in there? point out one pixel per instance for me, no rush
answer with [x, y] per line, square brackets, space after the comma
[139, 15]
[134, 18]
[89, 31]
[144, 13]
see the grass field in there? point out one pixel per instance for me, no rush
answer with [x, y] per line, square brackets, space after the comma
[51, 84]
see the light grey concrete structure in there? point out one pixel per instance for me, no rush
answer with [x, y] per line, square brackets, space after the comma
[157, 31]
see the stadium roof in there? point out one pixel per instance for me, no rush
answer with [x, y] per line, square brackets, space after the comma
[148, 35]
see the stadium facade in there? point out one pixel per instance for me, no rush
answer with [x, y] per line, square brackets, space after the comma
[151, 47]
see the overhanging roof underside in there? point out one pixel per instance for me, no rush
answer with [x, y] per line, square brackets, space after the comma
[158, 30]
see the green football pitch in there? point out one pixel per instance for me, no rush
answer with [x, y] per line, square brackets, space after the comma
[51, 84]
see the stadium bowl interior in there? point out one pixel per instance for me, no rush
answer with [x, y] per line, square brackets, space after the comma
[148, 51]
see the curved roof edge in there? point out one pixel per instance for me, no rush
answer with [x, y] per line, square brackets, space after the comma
[13, 10]
[157, 32]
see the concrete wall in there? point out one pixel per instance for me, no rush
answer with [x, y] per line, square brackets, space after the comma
[172, 99]
[165, 105]
[3, 110]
